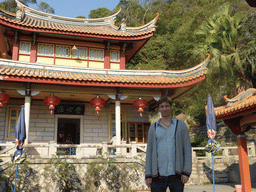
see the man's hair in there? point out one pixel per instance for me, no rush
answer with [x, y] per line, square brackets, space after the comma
[164, 99]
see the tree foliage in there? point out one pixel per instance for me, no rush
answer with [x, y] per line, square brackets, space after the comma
[11, 5]
[189, 29]
[100, 12]
[45, 7]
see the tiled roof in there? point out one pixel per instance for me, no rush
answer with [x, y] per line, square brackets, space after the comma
[240, 104]
[28, 17]
[129, 77]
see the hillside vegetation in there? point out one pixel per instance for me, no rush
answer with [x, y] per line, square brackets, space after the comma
[186, 31]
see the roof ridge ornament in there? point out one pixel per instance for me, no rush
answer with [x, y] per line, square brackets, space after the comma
[242, 95]
[61, 19]
[20, 13]
[122, 26]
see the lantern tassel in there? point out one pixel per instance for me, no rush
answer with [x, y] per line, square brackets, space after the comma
[97, 109]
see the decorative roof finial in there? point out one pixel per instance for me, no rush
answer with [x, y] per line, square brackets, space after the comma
[20, 13]
[122, 26]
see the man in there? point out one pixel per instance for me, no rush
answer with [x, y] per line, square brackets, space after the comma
[168, 156]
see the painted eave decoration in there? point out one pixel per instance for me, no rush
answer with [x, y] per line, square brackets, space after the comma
[29, 19]
[243, 103]
[39, 73]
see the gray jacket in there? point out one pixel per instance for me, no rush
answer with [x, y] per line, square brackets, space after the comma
[182, 151]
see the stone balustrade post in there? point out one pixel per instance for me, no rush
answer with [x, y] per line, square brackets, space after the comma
[193, 154]
[124, 149]
[134, 148]
[79, 153]
[104, 148]
[253, 149]
[208, 155]
[52, 148]
[226, 152]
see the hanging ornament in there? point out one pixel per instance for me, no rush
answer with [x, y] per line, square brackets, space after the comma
[97, 102]
[140, 104]
[52, 101]
[3, 99]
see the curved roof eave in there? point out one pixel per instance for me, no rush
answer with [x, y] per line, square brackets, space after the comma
[14, 25]
[32, 18]
[22, 71]
[236, 107]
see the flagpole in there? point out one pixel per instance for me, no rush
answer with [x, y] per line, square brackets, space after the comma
[213, 177]
[16, 175]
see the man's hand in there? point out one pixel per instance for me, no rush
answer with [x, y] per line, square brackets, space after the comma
[149, 181]
[184, 179]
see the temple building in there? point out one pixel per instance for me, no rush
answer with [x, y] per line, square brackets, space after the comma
[70, 73]
[239, 114]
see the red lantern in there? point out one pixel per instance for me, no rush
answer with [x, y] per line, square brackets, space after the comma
[140, 104]
[97, 102]
[52, 101]
[3, 99]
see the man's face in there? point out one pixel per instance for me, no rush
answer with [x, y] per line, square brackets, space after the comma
[165, 109]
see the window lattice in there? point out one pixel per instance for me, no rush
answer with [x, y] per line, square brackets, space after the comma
[45, 49]
[80, 53]
[25, 47]
[96, 54]
[63, 51]
[114, 56]
[13, 118]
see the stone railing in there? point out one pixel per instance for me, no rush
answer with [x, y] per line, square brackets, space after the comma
[46, 150]
[223, 152]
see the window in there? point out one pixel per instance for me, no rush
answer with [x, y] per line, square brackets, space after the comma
[138, 132]
[63, 51]
[96, 54]
[80, 53]
[113, 125]
[114, 56]
[45, 49]
[12, 120]
[25, 47]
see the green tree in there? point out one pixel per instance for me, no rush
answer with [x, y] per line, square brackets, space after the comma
[132, 11]
[222, 33]
[45, 7]
[82, 17]
[247, 49]
[99, 13]
[11, 5]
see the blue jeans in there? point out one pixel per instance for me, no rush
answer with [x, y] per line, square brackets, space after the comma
[161, 183]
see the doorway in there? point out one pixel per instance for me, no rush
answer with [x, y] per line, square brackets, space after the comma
[68, 131]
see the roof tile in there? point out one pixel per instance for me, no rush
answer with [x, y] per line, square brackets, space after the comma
[238, 106]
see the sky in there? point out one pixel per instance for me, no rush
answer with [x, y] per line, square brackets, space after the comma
[74, 8]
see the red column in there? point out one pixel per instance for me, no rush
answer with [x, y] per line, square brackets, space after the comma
[33, 56]
[106, 59]
[15, 52]
[244, 163]
[122, 60]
